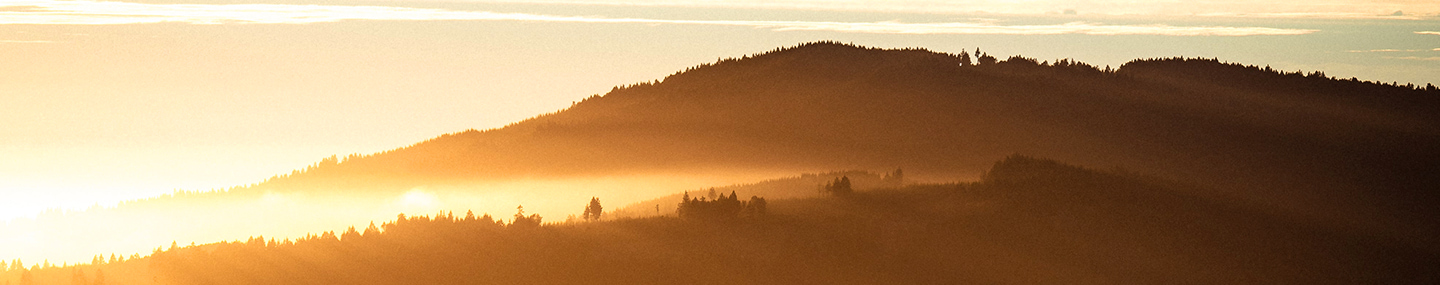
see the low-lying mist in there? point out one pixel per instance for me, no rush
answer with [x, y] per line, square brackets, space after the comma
[139, 227]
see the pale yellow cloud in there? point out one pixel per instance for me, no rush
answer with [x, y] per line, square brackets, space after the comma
[102, 13]
[1342, 9]
[1317, 15]
[1428, 33]
[1392, 50]
[1421, 58]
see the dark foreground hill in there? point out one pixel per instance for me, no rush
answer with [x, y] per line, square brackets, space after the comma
[1342, 152]
[1030, 221]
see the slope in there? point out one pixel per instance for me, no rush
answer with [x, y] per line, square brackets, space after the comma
[1344, 152]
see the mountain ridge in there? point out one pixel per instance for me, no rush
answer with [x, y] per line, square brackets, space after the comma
[1306, 143]
[639, 94]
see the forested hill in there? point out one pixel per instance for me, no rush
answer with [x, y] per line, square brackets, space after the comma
[1362, 152]
[835, 106]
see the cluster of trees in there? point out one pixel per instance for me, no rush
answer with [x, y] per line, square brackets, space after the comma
[19, 265]
[893, 179]
[720, 208]
[841, 186]
[593, 210]
[76, 273]
[523, 221]
[1267, 78]
[981, 57]
[795, 187]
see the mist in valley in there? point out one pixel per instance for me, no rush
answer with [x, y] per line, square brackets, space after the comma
[832, 163]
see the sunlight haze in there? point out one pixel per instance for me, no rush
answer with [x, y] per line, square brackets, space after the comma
[103, 102]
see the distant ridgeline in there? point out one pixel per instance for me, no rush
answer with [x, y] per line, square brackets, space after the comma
[1353, 153]
[1224, 173]
[1029, 221]
[827, 105]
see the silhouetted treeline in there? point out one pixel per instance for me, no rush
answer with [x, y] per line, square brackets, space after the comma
[1340, 154]
[1029, 221]
[802, 186]
[841, 186]
[719, 208]
[1360, 154]
[1253, 135]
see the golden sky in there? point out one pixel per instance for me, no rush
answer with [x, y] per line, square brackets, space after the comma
[122, 100]
[106, 101]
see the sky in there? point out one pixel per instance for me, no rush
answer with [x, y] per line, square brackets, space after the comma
[106, 101]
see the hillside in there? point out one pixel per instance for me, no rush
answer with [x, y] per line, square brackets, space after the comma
[1029, 221]
[1337, 151]
[1356, 157]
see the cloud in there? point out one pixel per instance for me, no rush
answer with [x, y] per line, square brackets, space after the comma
[1427, 58]
[1394, 50]
[51, 12]
[1428, 33]
[1314, 15]
[1067, 28]
[21, 8]
[1330, 9]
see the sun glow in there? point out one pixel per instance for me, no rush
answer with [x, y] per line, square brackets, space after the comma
[419, 198]
[206, 217]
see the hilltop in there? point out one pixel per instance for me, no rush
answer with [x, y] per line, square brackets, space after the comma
[1340, 150]
[1352, 156]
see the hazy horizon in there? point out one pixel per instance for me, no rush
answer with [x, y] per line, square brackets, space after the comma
[118, 101]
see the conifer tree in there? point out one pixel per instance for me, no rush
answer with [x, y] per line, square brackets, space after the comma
[592, 210]
[371, 230]
[350, 234]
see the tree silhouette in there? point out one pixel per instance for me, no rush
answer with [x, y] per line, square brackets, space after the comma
[841, 186]
[522, 221]
[894, 179]
[371, 230]
[350, 233]
[755, 207]
[986, 59]
[723, 207]
[593, 210]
